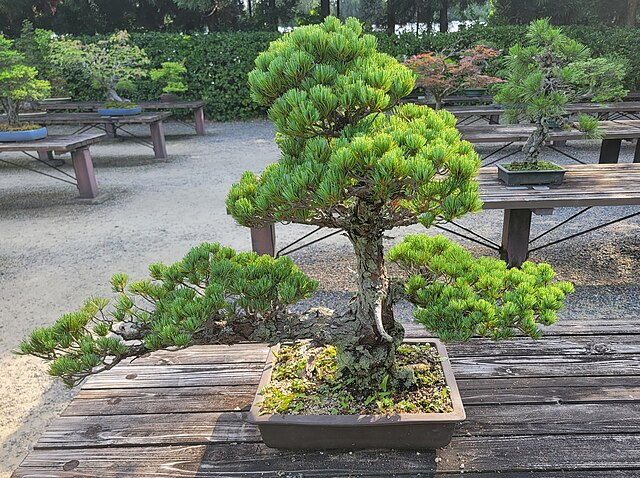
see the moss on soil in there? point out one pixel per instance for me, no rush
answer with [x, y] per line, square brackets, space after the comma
[6, 128]
[126, 105]
[529, 166]
[304, 382]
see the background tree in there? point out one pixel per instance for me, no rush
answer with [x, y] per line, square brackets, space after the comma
[110, 64]
[548, 72]
[18, 82]
[443, 74]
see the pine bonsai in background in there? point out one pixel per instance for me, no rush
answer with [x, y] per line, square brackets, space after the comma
[354, 160]
[544, 75]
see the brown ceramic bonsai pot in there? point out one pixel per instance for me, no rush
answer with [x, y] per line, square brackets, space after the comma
[524, 178]
[404, 431]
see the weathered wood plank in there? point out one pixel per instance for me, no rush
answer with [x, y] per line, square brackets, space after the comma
[558, 419]
[146, 105]
[149, 376]
[137, 401]
[243, 459]
[148, 430]
[605, 326]
[531, 453]
[232, 427]
[57, 143]
[207, 354]
[95, 118]
[513, 453]
[545, 366]
[495, 391]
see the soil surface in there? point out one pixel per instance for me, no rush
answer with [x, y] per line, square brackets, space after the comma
[55, 252]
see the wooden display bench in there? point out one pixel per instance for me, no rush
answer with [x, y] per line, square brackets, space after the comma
[78, 146]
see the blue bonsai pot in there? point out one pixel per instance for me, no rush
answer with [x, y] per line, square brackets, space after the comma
[119, 111]
[29, 135]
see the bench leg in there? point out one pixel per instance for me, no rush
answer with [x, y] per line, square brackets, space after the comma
[610, 151]
[85, 176]
[198, 116]
[157, 136]
[110, 129]
[636, 154]
[515, 236]
[263, 239]
[45, 155]
[494, 119]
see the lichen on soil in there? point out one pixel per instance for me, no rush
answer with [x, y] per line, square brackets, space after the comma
[305, 382]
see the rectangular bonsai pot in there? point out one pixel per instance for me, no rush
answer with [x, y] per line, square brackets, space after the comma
[403, 431]
[524, 178]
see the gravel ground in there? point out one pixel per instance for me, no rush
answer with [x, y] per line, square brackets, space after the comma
[55, 252]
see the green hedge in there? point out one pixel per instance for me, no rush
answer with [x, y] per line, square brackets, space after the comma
[218, 63]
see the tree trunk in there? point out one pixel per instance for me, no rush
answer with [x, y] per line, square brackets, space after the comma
[444, 16]
[273, 14]
[324, 8]
[632, 13]
[391, 17]
[535, 142]
[366, 354]
[429, 17]
[11, 108]
[113, 95]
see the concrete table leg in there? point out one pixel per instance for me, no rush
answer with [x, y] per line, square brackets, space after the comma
[45, 155]
[85, 176]
[263, 239]
[636, 154]
[515, 236]
[609, 151]
[157, 136]
[110, 129]
[198, 116]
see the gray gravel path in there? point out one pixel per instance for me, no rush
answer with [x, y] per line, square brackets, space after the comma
[54, 252]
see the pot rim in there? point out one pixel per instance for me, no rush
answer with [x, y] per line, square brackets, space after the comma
[457, 415]
[525, 171]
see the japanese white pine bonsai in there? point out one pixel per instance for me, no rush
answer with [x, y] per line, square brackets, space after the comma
[351, 159]
[18, 85]
[545, 74]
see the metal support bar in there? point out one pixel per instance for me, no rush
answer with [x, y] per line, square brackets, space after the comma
[473, 233]
[455, 233]
[315, 241]
[497, 150]
[39, 172]
[585, 231]
[302, 238]
[550, 146]
[502, 157]
[560, 224]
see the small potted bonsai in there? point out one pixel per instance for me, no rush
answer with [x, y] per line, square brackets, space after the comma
[171, 76]
[110, 64]
[445, 73]
[345, 164]
[543, 76]
[18, 85]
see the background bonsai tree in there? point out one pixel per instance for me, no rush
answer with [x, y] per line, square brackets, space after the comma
[445, 73]
[110, 64]
[18, 83]
[350, 160]
[546, 74]
[171, 75]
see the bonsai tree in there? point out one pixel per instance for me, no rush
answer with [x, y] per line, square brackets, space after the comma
[171, 75]
[548, 72]
[110, 64]
[354, 160]
[446, 73]
[18, 84]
